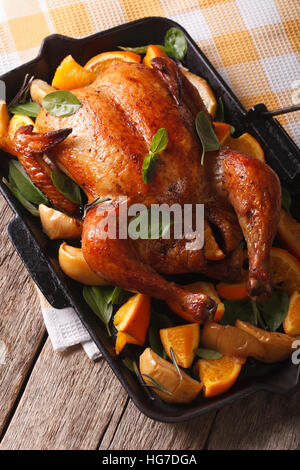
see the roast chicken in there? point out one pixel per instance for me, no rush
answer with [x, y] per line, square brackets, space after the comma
[102, 148]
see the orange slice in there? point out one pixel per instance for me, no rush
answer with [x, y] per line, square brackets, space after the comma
[122, 340]
[222, 131]
[289, 233]
[183, 340]
[16, 122]
[291, 324]
[211, 248]
[218, 375]
[70, 75]
[285, 270]
[133, 317]
[246, 144]
[103, 61]
[152, 52]
[196, 288]
[232, 291]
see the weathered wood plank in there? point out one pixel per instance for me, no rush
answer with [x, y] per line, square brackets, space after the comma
[21, 323]
[261, 422]
[137, 432]
[68, 403]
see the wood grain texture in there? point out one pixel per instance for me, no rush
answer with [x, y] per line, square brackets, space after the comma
[68, 403]
[260, 422]
[21, 324]
[137, 432]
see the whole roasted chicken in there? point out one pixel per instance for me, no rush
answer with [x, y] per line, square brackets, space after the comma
[102, 148]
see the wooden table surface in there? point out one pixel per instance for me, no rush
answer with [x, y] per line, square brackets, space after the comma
[64, 400]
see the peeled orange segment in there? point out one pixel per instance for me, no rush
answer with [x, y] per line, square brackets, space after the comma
[122, 340]
[291, 324]
[246, 144]
[16, 122]
[183, 340]
[212, 250]
[289, 233]
[222, 131]
[103, 61]
[218, 375]
[152, 52]
[133, 317]
[285, 270]
[232, 291]
[196, 288]
[70, 75]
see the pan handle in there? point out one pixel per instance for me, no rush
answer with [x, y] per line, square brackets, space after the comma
[37, 263]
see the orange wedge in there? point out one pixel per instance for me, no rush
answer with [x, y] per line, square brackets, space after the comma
[291, 324]
[212, 250]
[196, 288]
[232, 291]
[289, 233]
[122, 340]
[183, 340]
[133, 317]
[70, 75]
[285, 270]
[103, 61]
[222, 131]
[152, 52]
[16, 122]
[218, 375]
[246, 144]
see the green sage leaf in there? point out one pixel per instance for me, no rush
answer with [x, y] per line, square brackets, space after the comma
[207, 354]
[206, 134]
[275, 309]
[26, 109]
[67, 187]
[219, 117]
[157, 322]
[20, 179]
[27, 205]
[61, 103]
[159, 141]
[149, 167]
[175, 43]
[99, 300]
[238, 310]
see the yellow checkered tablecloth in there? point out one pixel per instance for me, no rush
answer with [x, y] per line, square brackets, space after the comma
[254, 44]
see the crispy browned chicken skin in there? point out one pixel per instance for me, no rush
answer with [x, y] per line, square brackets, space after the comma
[111, 134]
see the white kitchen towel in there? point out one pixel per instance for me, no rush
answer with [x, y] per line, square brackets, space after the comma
[65, 329]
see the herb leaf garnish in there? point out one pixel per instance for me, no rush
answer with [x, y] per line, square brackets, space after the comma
[94, 203]
[26, 109]
[155, 384]
[207, 354]
[175, 363]
[158, 144]
[219, 117]
[61, 103]
[99, 300]
[28, 206]
[19, 178]
[22, 94]
[142, 226]
[157, 322]
[206, 134]
[67, 187]
[175, 43]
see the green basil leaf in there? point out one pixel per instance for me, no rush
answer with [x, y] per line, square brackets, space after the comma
[207, 353]
[20, 179]
[99, 300]
[157, 322]
[26, 109]
[275, 309]
[219, 117]
[149, 167]
[67, 187]
[238, 310]
[175, 43]
[28, 206]
[206, 134]
[286, 199]
[61, 103]
[120, 296]
[159, 141]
